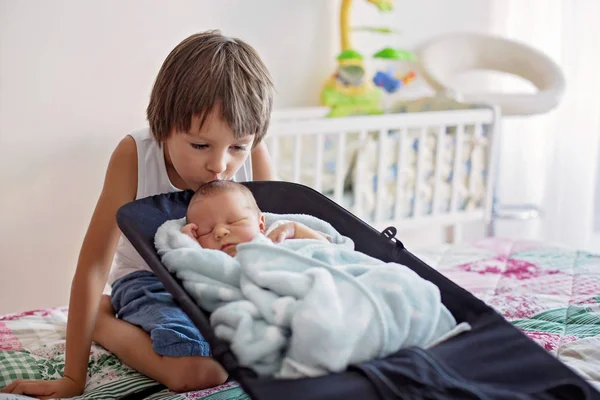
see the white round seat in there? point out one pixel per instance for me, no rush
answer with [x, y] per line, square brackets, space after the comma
[446, 56]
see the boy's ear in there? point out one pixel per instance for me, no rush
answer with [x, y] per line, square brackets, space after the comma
[262, 223]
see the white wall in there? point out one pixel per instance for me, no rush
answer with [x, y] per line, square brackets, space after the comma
[75, 77]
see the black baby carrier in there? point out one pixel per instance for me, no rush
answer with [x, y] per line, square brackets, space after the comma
[492, 361]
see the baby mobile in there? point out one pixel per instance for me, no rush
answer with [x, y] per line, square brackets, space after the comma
[349, 91]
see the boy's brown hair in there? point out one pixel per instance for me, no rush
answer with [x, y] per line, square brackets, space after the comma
[207, 70]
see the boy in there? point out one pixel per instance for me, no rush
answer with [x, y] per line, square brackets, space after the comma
[208, 113]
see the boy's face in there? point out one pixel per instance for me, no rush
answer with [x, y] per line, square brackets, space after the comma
[224, 220]
[207, 154]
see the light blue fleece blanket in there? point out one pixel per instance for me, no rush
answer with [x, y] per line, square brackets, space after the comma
[306, 307]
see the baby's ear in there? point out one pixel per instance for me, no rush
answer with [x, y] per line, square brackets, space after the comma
[262, 224]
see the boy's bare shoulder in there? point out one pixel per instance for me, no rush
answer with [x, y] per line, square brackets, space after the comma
[122, 168]
[126, 150]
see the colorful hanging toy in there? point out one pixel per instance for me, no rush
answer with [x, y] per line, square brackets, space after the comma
[348, 91]
[389, 80]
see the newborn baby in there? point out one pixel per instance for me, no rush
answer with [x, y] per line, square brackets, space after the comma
[223, 214]
[301, 308]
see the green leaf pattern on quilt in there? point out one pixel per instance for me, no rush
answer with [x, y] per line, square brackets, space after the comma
[107, 362]
[52, 365]
[574, 320]
[110, 379]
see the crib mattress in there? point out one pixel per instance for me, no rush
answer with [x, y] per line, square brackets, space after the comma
[552, 293]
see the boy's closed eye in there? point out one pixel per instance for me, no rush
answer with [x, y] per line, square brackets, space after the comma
[203, 146]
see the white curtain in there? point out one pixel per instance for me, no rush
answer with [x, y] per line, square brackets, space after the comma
[552, 159]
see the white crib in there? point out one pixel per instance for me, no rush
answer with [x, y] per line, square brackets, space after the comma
[408, 170]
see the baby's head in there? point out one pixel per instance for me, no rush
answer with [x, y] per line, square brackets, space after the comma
[222, 214]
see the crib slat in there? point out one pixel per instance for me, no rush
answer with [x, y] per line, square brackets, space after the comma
[358, 178]
[437, 188]
[297, 155]
[362, 136]
[318, 178]
[400, 160]
[273, 145]
[381, 163]
[340, 168]
[460, 129]
[419, 175]
[476, 143]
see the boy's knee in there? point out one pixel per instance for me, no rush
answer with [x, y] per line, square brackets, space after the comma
[194, 373]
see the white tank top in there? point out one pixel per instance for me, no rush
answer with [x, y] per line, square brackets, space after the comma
[152, 179]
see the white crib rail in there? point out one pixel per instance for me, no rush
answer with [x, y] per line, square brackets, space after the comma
[363, 163]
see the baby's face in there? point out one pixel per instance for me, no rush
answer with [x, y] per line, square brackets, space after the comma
[224, 220]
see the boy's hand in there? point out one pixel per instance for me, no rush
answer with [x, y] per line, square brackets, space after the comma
[294, 230]
[63, 388]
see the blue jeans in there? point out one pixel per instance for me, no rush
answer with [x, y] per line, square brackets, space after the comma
[141, 299]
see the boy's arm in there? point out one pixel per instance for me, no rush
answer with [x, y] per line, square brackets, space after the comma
[96, 256]
[93, 266]
[262, 169]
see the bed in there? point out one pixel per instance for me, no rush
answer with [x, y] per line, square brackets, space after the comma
[550, 292]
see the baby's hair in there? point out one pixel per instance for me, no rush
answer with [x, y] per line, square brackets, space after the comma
[207, 70]
[220, 186]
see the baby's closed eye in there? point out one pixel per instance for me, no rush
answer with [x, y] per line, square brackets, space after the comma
[204, 231]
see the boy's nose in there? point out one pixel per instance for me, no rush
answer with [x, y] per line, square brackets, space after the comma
[217, 164]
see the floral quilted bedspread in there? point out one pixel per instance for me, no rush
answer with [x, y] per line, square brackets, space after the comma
[32, 346]
[550, 292]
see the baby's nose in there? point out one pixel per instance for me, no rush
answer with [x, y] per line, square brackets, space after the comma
[221, 232]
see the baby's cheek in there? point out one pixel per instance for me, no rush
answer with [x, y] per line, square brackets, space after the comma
[204, 243]
[251, 234]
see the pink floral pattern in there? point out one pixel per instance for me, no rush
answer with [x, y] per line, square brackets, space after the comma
[21, 315]
[8, 341]
[550, 341]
